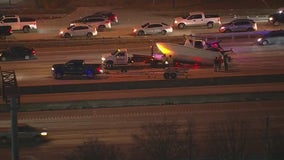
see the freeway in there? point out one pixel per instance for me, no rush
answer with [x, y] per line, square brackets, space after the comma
[69, 128]
[249, 59]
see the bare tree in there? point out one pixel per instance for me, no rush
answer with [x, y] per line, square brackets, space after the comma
[274, 142]
[228, 140]
[189, 148]
[95, 149]
[158, 141]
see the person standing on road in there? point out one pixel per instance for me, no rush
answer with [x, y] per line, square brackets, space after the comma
[171, 61]
[216, 64]
[226, 60]
[220, 61]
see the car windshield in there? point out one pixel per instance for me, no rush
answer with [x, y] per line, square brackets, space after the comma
[115, 52]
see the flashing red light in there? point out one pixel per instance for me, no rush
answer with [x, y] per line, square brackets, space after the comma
[33, 52]
[99, 70]
[196, 66]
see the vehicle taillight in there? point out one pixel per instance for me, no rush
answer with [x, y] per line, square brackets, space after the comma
[108, 21]
[100, 70]
[34, 52]
[11, 31]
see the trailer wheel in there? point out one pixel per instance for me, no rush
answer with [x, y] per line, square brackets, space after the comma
[173, 75]
[166, 75]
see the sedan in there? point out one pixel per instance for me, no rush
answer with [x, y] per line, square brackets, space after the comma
[79, 30]
[153, 28]
[238, 25]
[18, 53]
[271, 37]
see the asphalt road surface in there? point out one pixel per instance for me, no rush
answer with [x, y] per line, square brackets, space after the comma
[70, 128]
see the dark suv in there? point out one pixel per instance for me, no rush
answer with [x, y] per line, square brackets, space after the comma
[238, 25]
[108, 15]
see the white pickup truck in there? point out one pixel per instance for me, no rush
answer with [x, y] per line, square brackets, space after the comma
[197, 19]
[24, 24]
[119, 57]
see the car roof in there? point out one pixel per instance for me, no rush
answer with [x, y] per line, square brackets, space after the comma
[77, 61]
[103, 12]
[79, 24]
[153, 22]
[243, 19]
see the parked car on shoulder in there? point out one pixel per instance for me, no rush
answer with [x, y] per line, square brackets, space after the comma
[108, 15]
[17, 53]
[271, 37]
[153, 28]
[238, 25]
[78, 31]
[100, 23]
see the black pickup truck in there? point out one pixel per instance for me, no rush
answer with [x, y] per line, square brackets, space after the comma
[76, 67]
[5, 31]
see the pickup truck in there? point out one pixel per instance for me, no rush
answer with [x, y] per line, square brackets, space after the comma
[277, 18]
[5, 31]
[19, 23]
[76, 67]
[119, 57]
[26, 133]
[196, 19]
